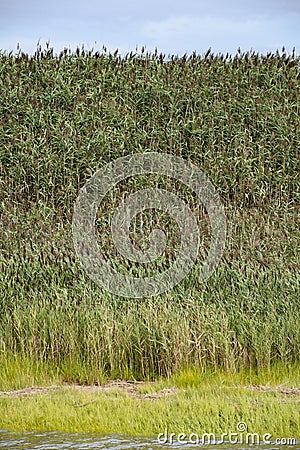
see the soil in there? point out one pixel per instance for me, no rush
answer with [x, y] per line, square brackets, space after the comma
[132, 388]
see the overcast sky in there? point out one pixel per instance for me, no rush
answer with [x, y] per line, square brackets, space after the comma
[173, 26]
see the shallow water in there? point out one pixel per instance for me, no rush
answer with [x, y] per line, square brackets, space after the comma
[62, 441]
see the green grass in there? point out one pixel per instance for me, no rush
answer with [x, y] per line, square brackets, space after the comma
[62, 118]
[213, 402]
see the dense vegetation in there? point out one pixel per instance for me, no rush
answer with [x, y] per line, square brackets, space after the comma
[63, 117]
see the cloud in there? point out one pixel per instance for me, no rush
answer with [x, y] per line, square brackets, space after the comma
[199, 25]
[220, 33]
[290, 6]
[172, 26]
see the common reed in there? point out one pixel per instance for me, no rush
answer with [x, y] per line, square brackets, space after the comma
[235, 117]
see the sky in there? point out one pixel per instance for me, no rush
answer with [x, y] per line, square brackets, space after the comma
[174, 27]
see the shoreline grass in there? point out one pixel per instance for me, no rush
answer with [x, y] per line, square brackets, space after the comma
[199, 402]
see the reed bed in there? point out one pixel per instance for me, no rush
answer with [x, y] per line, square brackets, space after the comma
[64, 116]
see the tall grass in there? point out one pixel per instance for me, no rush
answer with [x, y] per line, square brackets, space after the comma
[63, 117]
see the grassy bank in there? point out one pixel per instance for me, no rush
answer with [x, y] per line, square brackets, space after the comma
[188, 402]
[236, 118]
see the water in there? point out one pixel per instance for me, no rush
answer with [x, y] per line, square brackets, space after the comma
[62, 441]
